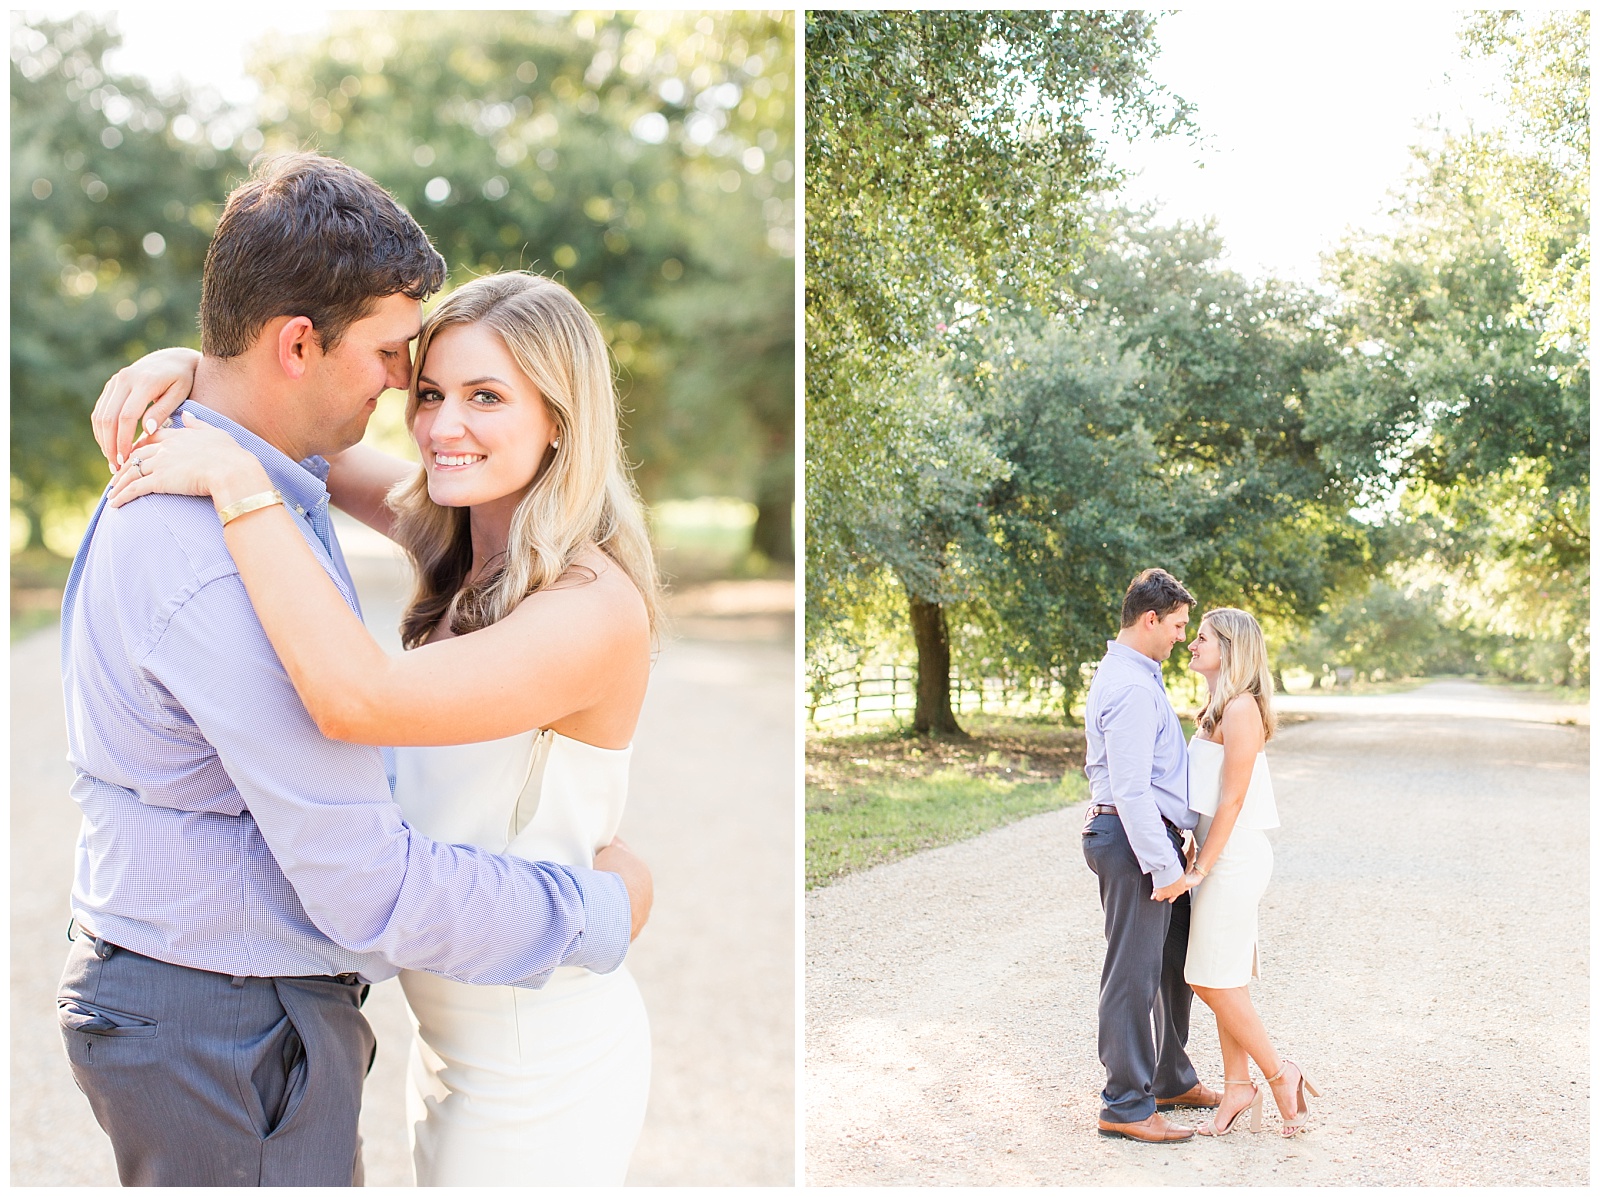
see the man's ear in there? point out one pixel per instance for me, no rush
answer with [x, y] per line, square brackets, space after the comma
[297, 341]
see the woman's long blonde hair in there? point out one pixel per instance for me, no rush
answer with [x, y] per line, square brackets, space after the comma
[583, 495]
[1243, 650]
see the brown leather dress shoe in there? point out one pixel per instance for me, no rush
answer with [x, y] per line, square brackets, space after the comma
[1154, 1129]
[1198, 1098]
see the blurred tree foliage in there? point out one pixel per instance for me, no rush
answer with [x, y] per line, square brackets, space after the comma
[1383, 630]
[646, 160]
[111, 213]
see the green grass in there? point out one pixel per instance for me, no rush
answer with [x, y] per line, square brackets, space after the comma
[879, 824]
[876, 796]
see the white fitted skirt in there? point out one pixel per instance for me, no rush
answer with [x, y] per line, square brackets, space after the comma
[520, 1087]
[1223, 948]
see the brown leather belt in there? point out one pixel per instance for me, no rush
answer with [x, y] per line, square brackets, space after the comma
[105, 949]
[1101, 809]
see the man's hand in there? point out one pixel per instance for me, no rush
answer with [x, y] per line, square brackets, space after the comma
[1167, 893]
[616, 857]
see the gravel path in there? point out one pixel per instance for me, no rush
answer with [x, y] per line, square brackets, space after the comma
[1424, 954]
[716, 964]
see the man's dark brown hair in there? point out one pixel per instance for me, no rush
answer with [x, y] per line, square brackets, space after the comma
[1154, 590]
[307, 235]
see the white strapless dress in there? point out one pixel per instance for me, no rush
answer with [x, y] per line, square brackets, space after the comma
[1224, 949]
[511, 1086]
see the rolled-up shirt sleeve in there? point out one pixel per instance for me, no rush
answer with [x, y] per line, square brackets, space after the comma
[1129, 722]
[363, 876]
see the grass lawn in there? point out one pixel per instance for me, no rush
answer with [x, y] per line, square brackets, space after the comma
[875, 796]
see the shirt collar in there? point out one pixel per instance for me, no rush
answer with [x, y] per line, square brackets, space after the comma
[303, 484]
[1134, 657]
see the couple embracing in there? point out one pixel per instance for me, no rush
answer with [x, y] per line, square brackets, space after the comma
[276, 812]
[1182, 921]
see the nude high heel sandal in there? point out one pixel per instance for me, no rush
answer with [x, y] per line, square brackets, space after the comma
[1254, 1109]
[1293, 1126]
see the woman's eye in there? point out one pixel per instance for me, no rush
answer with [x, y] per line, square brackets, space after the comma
[486, 397]
[428, 396]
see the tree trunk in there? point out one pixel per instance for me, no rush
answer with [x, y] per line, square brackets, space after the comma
[773, 534]
[35, 526]
[933, 716]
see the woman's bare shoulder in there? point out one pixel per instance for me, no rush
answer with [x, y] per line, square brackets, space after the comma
[1242, 716]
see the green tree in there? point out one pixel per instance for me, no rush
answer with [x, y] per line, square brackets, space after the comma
[111, 213]
[1387, 630]
[1537, 165]
[1512, 552]
[1163, 425]
[1083, 506]
[950, 158]
[1450, 407]
[1260, 522]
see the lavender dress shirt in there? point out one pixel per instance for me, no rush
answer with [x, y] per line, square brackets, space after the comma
[1136, 758]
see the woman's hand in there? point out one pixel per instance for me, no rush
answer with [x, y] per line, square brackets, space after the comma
[158, 381]
[199, 460]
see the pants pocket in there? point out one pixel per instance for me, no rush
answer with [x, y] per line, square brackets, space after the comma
[78, 1015]
[296, 1069]
[279, 1077]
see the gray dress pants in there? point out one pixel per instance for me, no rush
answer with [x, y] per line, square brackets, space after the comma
[1144, 1000]
[204, 1079]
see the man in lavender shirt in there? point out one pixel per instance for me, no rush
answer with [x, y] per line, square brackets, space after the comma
[241, 878]
[1133, 840]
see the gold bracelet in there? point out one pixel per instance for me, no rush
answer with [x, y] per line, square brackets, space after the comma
[248, 504]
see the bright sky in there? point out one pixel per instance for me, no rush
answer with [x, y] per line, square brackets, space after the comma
[204, 46]
[205, 51]
[1309, 114]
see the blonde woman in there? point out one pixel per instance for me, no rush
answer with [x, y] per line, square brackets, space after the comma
[1231, 790]
[529, 635]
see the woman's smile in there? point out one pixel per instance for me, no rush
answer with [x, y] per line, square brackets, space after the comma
[449, 461]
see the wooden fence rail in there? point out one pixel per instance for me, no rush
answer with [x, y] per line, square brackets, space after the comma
[876, 691]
